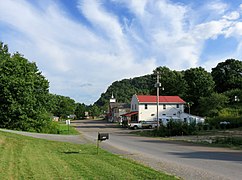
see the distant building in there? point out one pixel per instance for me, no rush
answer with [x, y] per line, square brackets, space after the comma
[116, 110]
[55, 118]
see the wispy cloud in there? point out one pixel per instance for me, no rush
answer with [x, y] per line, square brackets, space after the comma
[80, 60]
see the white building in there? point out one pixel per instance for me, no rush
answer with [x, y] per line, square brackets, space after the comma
[146, 107]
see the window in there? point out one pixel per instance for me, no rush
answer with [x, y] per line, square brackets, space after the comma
[177, 106]
[164, 106]
[146, 106]
[132, 107]
[135, 107]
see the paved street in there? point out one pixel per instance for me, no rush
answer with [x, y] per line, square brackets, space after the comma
[178, 158]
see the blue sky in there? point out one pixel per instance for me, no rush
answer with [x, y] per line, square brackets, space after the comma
[82, 46]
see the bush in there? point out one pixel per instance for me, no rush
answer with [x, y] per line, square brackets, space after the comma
[176, 128]
[228, 140]
[233, 122]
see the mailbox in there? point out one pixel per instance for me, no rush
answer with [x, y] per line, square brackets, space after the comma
[103, 136]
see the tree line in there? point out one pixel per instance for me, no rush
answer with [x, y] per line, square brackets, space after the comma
[25, 101]
[209, 94]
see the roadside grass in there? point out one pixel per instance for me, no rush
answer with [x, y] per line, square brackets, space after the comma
[230, 138]
[24, 157]
[64, 129]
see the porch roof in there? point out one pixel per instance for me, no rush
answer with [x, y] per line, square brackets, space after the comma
[130, 114]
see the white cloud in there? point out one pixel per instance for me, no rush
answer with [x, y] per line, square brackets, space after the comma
[232, 15]
[81, 60]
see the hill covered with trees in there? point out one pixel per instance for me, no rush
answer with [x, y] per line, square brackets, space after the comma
[209, 93]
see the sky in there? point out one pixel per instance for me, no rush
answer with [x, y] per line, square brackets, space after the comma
[82, 46]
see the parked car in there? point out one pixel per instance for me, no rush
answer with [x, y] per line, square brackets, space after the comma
[143, 125]
[135, 125]
[148, 124]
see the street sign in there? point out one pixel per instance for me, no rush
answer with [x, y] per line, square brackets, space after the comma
[68, 122]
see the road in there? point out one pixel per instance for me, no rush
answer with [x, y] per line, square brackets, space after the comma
[178, 158]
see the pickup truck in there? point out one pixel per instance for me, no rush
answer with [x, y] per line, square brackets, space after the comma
[143, 125]
[135, 125]
[149, 124]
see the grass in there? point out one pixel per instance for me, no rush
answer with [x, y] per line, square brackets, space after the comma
[230, 138]
[29, 158]
[64, 129]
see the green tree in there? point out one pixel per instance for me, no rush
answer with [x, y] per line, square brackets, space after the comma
[234, 95]
[211, 105]
[80, 110]
[94, 110]
[172, 82]
[228, 75]
[200, 84]
[23, 93]
[63, 106]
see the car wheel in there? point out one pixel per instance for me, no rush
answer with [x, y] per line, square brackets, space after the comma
[150, 127]
[135, 127]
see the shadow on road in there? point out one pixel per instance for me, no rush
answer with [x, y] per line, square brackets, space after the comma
[222, 156]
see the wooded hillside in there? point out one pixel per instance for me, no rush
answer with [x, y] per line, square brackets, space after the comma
[208, 92]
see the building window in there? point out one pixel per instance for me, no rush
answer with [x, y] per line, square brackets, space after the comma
[132, 107]
[152, 114]
[146, 106]
[164, 106]
[177, 106]
[135, 107]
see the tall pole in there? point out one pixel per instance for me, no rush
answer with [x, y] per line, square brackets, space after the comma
[157, 100]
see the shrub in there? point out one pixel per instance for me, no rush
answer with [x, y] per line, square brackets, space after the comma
[233, 122]
[176, 128]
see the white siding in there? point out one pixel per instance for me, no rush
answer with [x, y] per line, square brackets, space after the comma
[150, 113]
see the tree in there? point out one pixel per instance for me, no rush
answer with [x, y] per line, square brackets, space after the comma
[172, 82]
[80, 110]
[200, 84]
[234, 95]
[228, 75]
[94, 110]
[23, 93]
[211, 105]
[63, 106]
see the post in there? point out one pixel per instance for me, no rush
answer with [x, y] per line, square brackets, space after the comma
[188, 108]
[97, 145]
[68, 122]
[157, 100]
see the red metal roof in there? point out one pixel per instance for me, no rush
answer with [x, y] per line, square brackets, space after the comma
[130, 114]
[152, 99]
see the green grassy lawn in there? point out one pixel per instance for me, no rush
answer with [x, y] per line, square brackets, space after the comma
[29, 158]
[63, 129]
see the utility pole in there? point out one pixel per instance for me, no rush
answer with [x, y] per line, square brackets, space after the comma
[157, 85]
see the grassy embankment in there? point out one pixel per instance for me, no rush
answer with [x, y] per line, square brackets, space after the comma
[29, 158]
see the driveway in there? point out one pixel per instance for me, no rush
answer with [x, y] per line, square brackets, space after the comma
[178, 158]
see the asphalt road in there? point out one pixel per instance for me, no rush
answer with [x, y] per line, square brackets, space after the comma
[178, 158]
